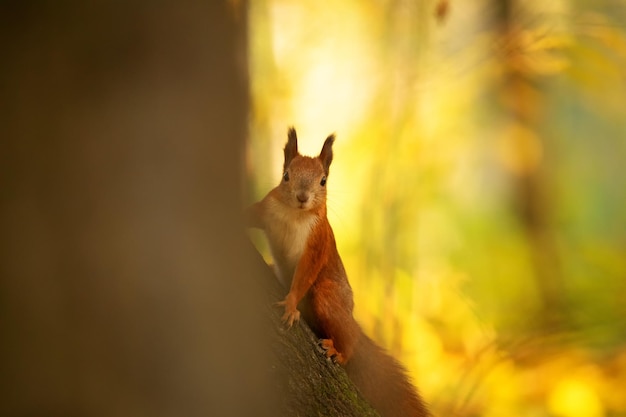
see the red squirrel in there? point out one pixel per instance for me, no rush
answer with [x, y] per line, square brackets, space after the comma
[302, 243]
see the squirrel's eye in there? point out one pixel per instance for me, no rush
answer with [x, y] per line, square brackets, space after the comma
[286, 176]
[323, 181]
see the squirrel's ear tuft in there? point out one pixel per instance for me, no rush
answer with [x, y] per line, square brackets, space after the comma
[326, 156]
[291, 148]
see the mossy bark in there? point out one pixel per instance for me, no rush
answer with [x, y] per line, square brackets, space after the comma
[311, 385]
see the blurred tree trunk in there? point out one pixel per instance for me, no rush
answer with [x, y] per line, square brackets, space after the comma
[525, 160]
[124, 287]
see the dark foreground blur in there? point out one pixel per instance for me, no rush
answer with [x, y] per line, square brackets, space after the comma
[123, 289]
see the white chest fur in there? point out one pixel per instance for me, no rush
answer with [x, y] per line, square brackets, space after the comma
[287, 231]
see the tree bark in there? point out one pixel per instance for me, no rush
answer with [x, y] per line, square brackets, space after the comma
[311, 384]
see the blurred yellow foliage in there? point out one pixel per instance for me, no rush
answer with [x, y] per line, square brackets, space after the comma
[574, 398]
[477, 192]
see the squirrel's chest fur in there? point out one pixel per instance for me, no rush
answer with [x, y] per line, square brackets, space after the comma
[287, 231]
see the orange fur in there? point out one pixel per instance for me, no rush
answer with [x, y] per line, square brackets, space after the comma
[293, 216]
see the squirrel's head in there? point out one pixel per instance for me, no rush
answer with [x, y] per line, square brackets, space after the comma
[303, 184]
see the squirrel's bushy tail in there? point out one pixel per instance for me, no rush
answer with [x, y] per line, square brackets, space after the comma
[383, 381]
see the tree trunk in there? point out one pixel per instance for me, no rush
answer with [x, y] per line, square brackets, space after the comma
[124, 286]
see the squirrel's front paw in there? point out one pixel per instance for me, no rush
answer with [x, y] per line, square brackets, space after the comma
[291, 317]
[292, 314]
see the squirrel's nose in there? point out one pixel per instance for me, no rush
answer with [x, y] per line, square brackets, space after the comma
[302, 197]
